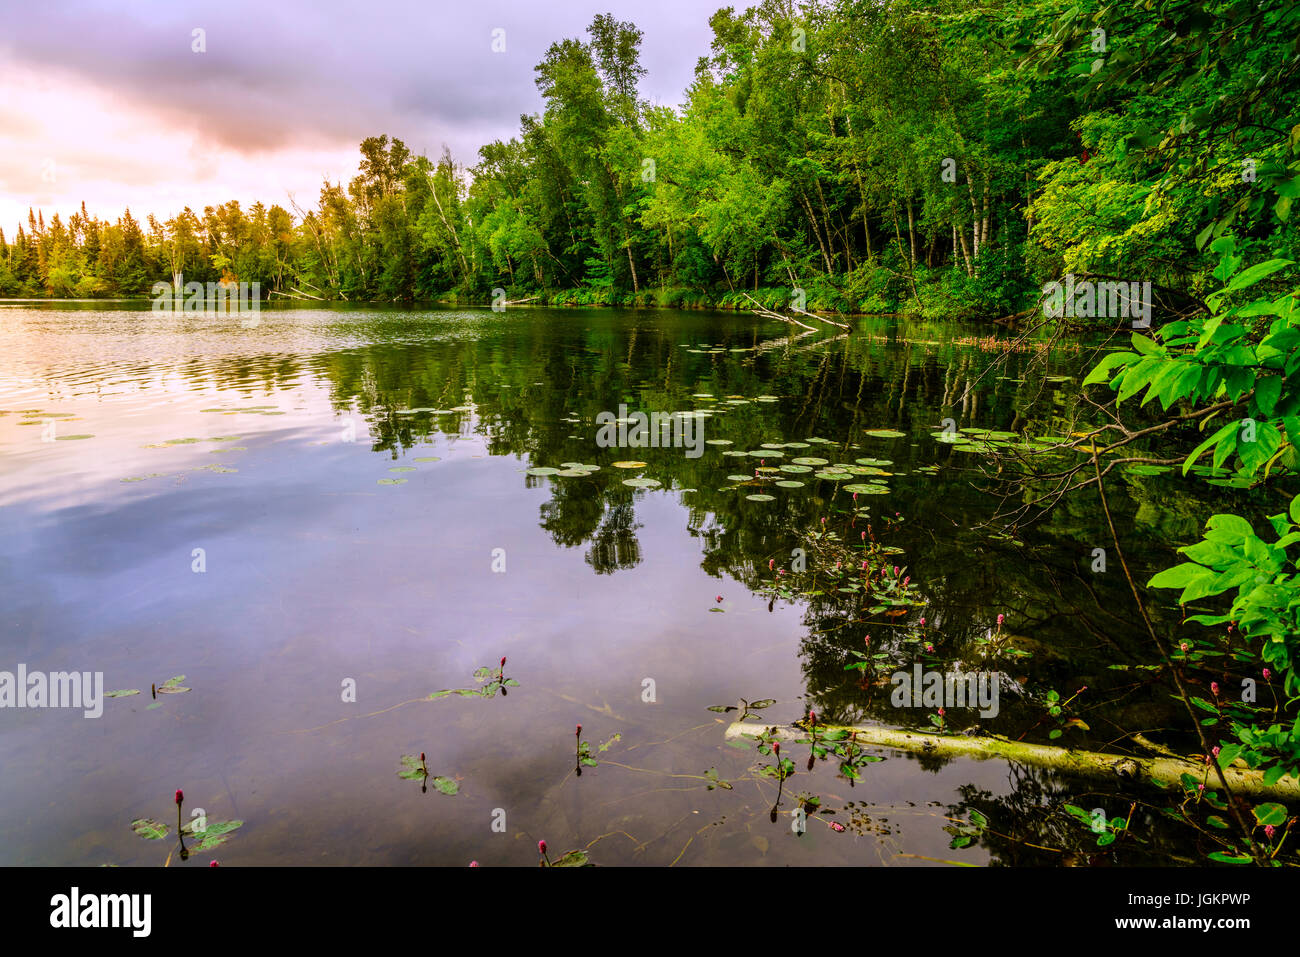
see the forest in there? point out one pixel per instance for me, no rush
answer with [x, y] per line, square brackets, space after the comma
[943, 158]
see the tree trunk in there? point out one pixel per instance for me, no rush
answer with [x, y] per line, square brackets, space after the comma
[1164, 771]
[812, 218]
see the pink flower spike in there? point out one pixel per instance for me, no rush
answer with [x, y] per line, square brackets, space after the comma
[771, 563]
[1182, 646]
[923, 622]
[473, 863]
[578, 731]
[1001, 619]
[864, 534]
[541, 847]
[941, 712]
[1266, 674]
[1268, 831]
[1216, 750]
[836, 826]
[719, 598]
[1214, 688]
[929, 647]
[1200, 787]
[213, 864]
[503, 661]
[180, 795]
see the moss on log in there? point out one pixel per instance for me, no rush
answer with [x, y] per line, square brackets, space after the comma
[1161, 770]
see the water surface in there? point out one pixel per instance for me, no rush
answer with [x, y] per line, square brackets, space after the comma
[317, 572]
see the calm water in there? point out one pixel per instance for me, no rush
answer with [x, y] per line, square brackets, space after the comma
[315, 573]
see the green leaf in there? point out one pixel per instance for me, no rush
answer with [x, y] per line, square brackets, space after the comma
[147, 827]
[1257, 272]
[1180, 576]
[1228, 858]
[1270, 813]
[445, 785]
[573, 859]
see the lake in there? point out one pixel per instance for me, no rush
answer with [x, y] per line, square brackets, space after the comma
[321, 519]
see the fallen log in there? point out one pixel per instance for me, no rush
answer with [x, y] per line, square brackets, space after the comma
[1163, 771]
[767, 313]
[832, 322]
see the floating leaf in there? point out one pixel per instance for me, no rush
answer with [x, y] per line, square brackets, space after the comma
[573, 859]
[810, 460]
[122, 694]
[761, 498]
[429, 458]
[642, 482]
[147, 827]
[392, 481]
[885, 434]
[631, 465]
[1271, 813]
[216, 833]
[542, 470]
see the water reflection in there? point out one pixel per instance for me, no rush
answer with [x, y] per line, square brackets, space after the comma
[317, 573]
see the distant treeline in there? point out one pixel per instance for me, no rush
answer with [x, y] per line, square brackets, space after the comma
[947, 158]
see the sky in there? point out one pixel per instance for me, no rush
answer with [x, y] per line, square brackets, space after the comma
[110, 103]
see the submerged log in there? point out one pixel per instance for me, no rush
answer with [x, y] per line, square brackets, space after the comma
[1161, 770]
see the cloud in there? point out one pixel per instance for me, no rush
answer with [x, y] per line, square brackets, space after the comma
[116, 97]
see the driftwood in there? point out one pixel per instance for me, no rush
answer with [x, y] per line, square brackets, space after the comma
[829, 322]
[767, 313]
[1165, 769]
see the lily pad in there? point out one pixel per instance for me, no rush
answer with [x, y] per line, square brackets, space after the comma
[172, 686]
[796, 469]
[885, 434]
[392, 481]
[867, 489]
[642, 482]
[790, 483]
[124, 693]
[543, 470]
[629, 465]
[69, 438]
[810, 460]
[147, 827]
[402, 468]
[429, 458]
[215, 834]
[760, 497]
